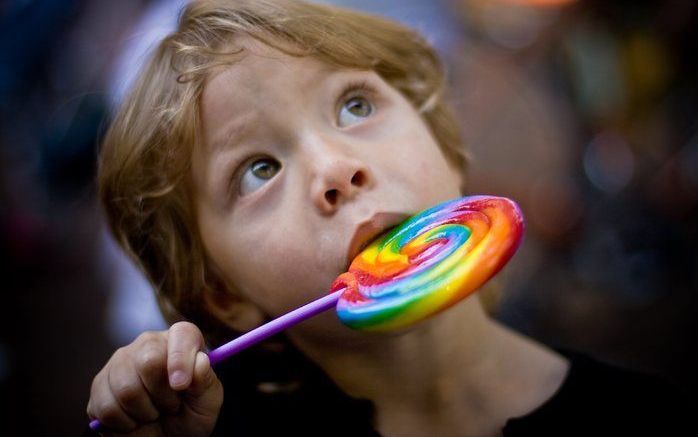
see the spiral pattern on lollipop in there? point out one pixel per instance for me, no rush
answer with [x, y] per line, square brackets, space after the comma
[428, 263]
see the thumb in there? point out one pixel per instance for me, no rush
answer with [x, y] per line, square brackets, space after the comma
[205, 394]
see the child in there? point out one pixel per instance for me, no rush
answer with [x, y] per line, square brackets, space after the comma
[256, 141]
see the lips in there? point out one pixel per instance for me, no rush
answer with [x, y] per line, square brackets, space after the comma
[369, 229]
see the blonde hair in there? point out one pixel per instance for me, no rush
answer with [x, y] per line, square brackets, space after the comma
[144, 159]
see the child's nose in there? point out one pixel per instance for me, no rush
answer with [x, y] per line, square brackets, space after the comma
[338, 179]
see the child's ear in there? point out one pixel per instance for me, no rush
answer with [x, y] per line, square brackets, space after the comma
[229, 306]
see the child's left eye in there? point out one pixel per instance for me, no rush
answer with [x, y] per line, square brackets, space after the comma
[354, 110]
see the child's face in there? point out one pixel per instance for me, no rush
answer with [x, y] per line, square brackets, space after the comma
[291, 165]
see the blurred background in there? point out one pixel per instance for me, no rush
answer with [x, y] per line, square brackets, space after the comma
[585, 112]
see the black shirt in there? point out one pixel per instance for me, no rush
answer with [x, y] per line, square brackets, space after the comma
[601, 399]
[273, 393]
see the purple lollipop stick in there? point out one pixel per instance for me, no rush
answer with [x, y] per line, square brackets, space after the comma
[267, 330]
[277, 325]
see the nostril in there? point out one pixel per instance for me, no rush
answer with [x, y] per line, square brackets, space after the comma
[358, 179]
[331, 196]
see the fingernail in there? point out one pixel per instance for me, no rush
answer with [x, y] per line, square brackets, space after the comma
[178, 378]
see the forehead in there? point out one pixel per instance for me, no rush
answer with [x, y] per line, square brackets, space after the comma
[260, 71]
[262, 78]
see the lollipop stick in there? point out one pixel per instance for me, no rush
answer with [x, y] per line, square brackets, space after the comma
[277, 325]
[267, 330]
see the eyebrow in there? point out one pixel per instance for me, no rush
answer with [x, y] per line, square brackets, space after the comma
[239, 129]
[221, 156]
[234, 131]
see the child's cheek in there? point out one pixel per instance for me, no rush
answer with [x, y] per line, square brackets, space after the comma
[289, 268]
[310, 258]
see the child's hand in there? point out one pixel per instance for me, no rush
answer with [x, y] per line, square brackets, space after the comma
[161, 384]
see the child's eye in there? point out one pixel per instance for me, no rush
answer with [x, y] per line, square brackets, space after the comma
[354, 110]
[257, 173]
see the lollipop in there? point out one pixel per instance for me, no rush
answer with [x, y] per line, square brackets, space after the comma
[428, 263]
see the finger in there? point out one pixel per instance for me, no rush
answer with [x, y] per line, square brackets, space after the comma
[204, 379]
[184, 341]
[96, 394]
[104, 406]
[130, 393]
[151, 365]
[205, 394]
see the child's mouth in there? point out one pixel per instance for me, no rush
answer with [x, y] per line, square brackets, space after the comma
[370, 229]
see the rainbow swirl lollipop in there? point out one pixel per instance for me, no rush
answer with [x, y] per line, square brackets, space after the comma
[428, 263]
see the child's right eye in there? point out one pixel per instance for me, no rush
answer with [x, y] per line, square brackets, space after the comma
[256, 174]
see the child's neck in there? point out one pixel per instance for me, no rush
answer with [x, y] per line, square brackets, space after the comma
[459, 373]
